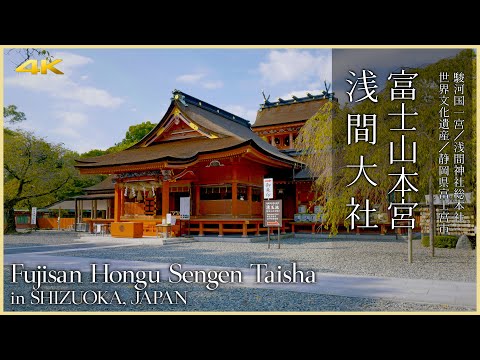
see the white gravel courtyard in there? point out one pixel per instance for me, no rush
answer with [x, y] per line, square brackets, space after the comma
[351, 257]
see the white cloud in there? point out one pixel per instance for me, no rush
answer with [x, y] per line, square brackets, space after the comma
[70, 124]
[72, 119]
[62, 86]
[70, 61]
[295, 65]
[67, 132]
[84, 77]
[211, 85]
[190, 78]
[242, 111]
[200, 79]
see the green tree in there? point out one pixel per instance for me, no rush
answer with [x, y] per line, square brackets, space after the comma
[134, 134]
[34, 172]
[323, 143]
[93, 153]
[12, 115]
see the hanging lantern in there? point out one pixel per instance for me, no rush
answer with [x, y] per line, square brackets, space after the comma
[132, 193]
[126, 191]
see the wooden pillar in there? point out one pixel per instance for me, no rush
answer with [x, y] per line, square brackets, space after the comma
[290, 139]
[249, 199]
[122, 203]
[197, 200]
[91, 210]
[244, 229]
[296, 198]
[76, 216]
[110, 204]
[59, 217]
[234, 199]
[96, 208]
[81, 211]
[165, 198]
[117, 203]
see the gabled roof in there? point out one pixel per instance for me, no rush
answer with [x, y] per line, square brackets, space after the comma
[104, 186]
[224, 131]
[289, 111]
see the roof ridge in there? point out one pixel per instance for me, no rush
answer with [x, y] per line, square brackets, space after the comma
[186, 99]
[296, 100]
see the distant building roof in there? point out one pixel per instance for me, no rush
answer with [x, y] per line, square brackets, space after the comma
[304, 174]
[105, 186]
[289, 111]
[69, 204]
[95, 197]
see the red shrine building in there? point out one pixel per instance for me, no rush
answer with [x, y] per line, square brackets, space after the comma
[216, 159]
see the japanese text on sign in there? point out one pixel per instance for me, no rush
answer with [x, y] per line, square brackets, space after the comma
[268, 188]
[272, 213]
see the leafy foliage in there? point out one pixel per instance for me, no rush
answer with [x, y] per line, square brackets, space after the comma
[448, 242]
[34, 172]
[133, 135]
[12, 115]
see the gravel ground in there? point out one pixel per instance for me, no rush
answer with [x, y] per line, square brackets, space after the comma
[226, 298]
[35, 238]
[355, 257]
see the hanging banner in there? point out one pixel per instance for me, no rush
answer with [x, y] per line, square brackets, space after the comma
[185, 208]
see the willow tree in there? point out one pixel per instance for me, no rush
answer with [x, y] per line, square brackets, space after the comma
[323, 143]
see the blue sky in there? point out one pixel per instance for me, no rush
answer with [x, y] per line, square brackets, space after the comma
[104, 91]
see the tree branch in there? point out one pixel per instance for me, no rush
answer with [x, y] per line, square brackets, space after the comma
[45, 193]
[10, 171]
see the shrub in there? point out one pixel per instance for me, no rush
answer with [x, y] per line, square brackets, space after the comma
[441, 241]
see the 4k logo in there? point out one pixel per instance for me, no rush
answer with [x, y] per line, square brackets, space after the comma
[44, 67]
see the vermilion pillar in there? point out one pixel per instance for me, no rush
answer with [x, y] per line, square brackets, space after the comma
[234, 199]
[197, 200]
[249, 199]
[117, 202]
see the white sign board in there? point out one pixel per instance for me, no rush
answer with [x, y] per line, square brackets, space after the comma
[268, 188]
[185, 208]
[169, 218]
[33, 218]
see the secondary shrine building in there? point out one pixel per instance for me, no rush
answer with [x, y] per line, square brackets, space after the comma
[215, 158]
